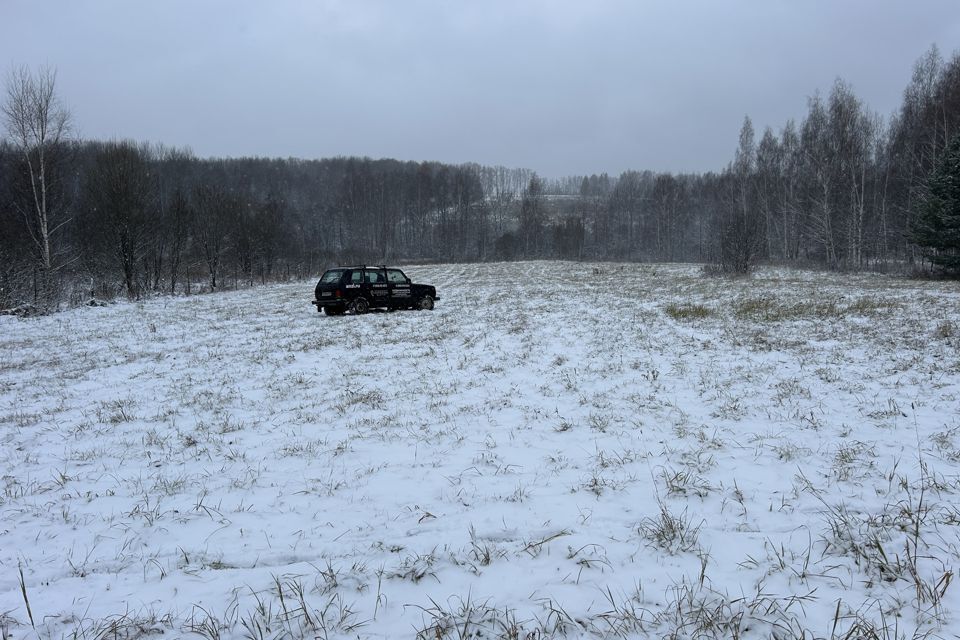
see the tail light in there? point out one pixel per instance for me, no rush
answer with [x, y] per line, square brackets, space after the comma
[338, 293]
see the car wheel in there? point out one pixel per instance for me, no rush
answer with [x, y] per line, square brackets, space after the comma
[425, 303]
[360, 305]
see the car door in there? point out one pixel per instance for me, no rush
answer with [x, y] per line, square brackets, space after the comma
[399, 285]
[353, 284]
[378, 291]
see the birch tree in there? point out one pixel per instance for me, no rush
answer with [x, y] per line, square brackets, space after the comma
[38, 125]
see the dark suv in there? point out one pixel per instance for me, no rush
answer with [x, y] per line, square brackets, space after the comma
[361, 288]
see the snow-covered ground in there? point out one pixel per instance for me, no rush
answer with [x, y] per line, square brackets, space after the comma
[558, 449]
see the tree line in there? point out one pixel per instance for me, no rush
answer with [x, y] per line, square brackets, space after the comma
[843, 188]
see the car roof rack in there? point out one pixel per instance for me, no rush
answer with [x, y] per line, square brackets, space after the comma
[362, 266]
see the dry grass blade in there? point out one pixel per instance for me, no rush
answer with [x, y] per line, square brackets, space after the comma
[26, 600]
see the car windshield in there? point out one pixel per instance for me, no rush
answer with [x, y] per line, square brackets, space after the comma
[332, 276]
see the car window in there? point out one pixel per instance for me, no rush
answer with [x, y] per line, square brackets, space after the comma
[396, 276]
[332, 276]
[356, 277]
[374, 276]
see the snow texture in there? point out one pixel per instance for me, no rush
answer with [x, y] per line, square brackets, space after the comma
[559, 449]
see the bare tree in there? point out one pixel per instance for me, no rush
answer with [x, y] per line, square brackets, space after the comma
[216, 211]
[740, 227]
[853, 133]
[120, 199]
[819, 182]
[532, 217]
[179, 216]
[790, 165]
[38, 125]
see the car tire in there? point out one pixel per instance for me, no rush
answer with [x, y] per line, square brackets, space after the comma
[360, 305]
[425, 303]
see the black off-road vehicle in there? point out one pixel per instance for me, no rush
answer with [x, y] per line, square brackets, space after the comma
[361, 288]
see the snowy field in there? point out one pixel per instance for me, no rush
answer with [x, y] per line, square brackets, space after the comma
[558, 450]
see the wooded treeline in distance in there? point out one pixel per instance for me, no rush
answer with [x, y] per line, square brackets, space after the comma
[843, 188]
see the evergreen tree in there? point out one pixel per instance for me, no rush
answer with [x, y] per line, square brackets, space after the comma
[937, 229]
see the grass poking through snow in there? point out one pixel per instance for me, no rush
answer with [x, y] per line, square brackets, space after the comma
[673, 456]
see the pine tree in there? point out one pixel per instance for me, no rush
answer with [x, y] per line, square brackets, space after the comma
[937, 228]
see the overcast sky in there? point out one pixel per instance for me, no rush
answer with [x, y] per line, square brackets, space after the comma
[556, 86]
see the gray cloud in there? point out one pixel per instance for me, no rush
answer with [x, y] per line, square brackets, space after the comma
[561, 87]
